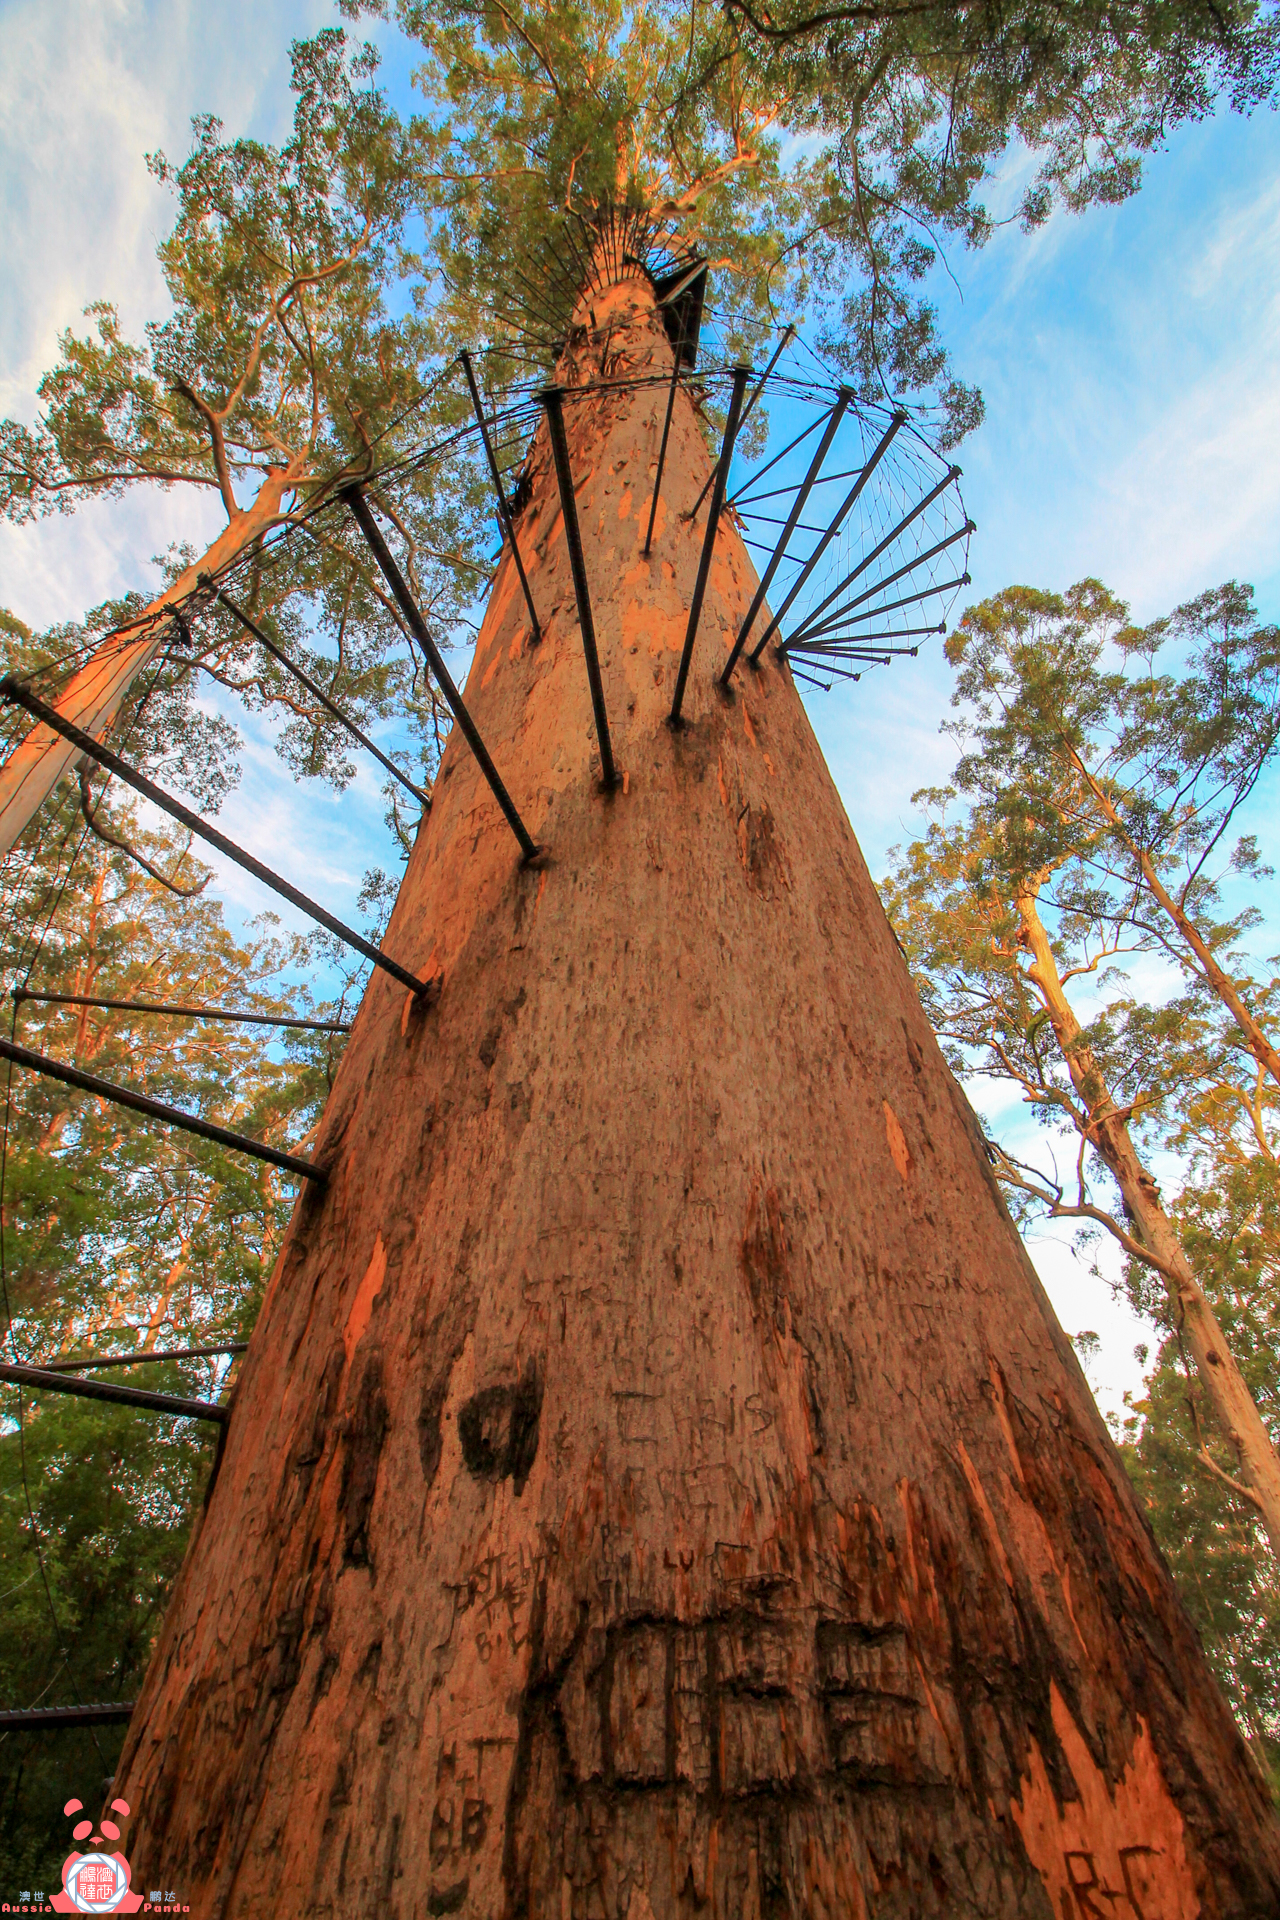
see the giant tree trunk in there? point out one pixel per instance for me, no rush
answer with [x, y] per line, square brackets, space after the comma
[658, 1484]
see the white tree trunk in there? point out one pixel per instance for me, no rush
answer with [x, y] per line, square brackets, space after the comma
[91, 698]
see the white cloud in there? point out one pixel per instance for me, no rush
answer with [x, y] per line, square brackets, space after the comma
[1086, 1302]
[87, 89]
[1133, 382]
[81, 211]
[1196, 498]
[56, 569]
[1132, 374]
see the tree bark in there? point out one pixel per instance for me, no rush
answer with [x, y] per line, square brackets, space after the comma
[91, 698]
[658, 1485]
[1223, 1382]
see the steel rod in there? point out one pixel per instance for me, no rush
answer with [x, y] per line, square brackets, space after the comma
[760, 472]
[638, 384]
[720, 478]
[535, 304]
[909, 567]
[666, 429]
[776, 520]
[788, 335]
[552, 400]
[810, 621]
[97, 1713]
[888, 540]
[44, 1380]
[682, 285]
[12, 691]
[840, 673]
[888, 606]
[847, 653]
[157, 1110]
[504, 510]
[93, 1360]
[318, 693]
[184, 1013]
[756, 391]
[409, 608]
[860, 639]
[767, 547]
[846, 506]
[777, 493]
[806, 488]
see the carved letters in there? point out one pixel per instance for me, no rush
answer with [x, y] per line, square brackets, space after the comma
[744, 1704]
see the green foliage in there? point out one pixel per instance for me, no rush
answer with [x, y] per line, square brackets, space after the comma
[818, 162]
[821, 163]
[538, 113]
[113, 1494]
[1098, 795]
[279, 371]
[821, 160]
[1088, 89]
[1106, 793]
[120, 1234]
[277, 267]
[1075, 739]
[1230, 1226]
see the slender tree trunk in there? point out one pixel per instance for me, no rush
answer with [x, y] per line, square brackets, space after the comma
[91, 698]
[177, 1271]
[1223, 1382]
[1221, 982]
[1216, 977]
[658, 1485]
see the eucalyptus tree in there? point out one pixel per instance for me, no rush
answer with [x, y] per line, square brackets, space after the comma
[1147, 764]
[113, 1224]
[822, 159]
[280, 368]
[1093, 817]
[1228, 1216]
[654, 1447]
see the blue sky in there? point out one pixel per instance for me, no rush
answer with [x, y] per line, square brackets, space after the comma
[1130, 361]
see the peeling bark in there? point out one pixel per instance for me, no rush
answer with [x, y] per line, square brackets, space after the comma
[704, 1513]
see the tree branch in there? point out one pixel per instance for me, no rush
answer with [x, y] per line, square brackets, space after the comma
[1015, 1174]
[122, 846]
[214, 424]
[1203, 1454]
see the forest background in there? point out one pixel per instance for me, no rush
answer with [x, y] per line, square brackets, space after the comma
[1127, 359]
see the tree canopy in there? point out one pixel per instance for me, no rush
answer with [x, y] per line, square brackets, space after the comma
[821, 159]
[280, 368]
